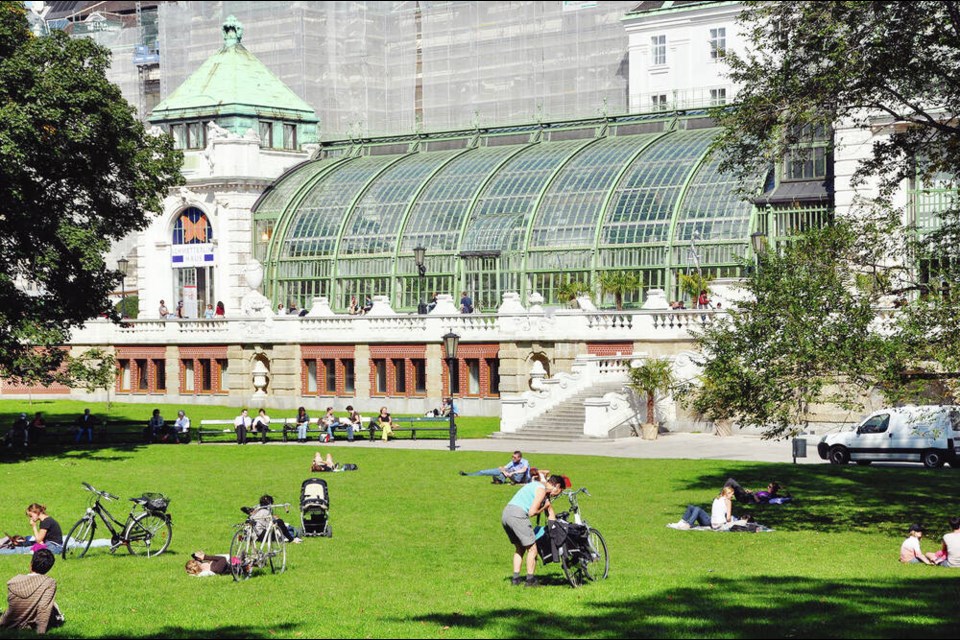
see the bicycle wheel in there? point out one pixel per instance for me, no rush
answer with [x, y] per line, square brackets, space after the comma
[570, 563]
[242, 554]
[77, 542]
[148, 534]
[597, 566]
[275, 549]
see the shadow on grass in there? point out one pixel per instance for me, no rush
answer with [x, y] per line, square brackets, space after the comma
[204, 630]
[762, 607]
[73, 453]
[829, 498]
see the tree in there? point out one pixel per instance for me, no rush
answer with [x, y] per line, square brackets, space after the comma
[618, 284]
[653, 376]
[92, 370]
[804, 336]
[571, 289]
[77, 171]
[693, 284]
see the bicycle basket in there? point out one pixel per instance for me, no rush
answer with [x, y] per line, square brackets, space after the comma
[155, 502]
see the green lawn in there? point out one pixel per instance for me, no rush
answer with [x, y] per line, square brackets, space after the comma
[67, 411]
[418, 551]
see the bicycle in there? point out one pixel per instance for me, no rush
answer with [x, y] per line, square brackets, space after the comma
[587, 560]
[147, 530]
[250, 550]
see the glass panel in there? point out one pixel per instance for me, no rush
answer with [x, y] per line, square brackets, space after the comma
[330, 376]
[380, 370]
[645, 198]
[454, 377]
[195, 137]
[279, 196]
[572, 206]
[374, 222]
[289, 136]
[179, 133]
[188, 378]
[493, 364]
[142, 378]
[437, 216]
[124, 366]
[419, 375]
[266, 134]
[348, 376]
[712, 209]
[160, 374]
[499, 221]
[206, 379]
[224, 378]
[473, 377]
[316, 223]
[311, 376]
[400, 375]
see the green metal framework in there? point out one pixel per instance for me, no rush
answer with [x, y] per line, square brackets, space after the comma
[514, 209]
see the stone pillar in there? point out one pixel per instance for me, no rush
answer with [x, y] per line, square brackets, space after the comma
[434, 358]
[284, 371]
[172, 359]
[361, 369]
[513, 370]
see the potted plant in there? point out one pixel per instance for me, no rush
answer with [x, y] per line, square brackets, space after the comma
[570, 290]
[694, 284]
[618, 283]
[654, 376]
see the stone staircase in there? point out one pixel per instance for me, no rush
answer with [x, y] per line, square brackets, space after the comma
[565, 421]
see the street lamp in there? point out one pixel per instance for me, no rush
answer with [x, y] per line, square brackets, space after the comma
[122, 264]
[419, 253]
[758, 241]
[451, 342]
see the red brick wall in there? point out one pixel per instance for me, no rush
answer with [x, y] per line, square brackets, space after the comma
[609, 348]
[11, 388]
[212, 353]
[390, 352]
[472, 351]
[139, 353]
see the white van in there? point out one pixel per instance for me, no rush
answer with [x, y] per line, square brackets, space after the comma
[924, 434]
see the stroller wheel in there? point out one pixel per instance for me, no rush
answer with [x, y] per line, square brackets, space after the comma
[328, 531]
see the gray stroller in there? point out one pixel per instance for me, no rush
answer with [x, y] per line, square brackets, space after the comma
[315, 508]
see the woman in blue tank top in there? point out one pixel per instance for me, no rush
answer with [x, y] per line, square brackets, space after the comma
[531, 499]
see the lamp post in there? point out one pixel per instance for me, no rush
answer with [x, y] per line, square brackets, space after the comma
[122, 264]
[758, 242]
[451, 342]
[419, 253]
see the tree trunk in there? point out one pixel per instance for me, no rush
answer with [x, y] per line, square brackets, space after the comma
[618, 299]
[651, 418]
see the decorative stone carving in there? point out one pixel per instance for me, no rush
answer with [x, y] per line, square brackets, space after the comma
[656, 299]
[537, 374]
[586, 303]
[511, 303]
[535, 300]
[253, 302]
[381, 307]
[321, 308]
[445, 306]
[261, 376]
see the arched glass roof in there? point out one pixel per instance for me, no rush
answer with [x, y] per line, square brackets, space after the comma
[523, 199]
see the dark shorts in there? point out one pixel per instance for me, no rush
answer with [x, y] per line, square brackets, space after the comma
[516, 523]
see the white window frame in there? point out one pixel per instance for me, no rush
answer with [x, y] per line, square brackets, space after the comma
[718, 43]
[658, 51]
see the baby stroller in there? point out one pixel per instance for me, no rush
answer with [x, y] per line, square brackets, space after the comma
[315, 508]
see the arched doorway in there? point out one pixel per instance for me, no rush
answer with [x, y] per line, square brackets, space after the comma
[193, 262]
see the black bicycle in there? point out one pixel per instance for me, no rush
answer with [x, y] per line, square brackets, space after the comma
[147, 530]
[584, 556]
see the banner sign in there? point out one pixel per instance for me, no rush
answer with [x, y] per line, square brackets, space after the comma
[191, 255]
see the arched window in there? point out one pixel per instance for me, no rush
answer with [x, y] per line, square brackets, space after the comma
[192, 259]
[192, 227]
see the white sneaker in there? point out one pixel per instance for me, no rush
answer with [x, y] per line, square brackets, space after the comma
[682, 524]
[297, 541]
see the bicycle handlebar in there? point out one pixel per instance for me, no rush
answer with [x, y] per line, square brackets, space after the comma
[102, 494]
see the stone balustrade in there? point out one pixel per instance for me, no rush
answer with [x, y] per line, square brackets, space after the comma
[559, 326]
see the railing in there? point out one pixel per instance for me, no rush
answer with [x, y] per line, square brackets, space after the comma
[561, 325]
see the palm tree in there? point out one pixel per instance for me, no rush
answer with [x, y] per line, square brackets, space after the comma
[694, 284]
[654, 376]
[570, 290]
[618, 283]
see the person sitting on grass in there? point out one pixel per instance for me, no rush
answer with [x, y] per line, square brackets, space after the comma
[910, 549]
[517, 471]
[720, 517]
[31, 597]
[949, 554]
[201, 564]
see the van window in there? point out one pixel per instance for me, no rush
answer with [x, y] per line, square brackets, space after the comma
[955, 421]
[875, 424]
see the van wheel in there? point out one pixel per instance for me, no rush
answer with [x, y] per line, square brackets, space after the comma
[932, 459]
[839, 455]
[864, 463]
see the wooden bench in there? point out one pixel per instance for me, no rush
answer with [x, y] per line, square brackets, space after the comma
[216, 428]
[413, 425]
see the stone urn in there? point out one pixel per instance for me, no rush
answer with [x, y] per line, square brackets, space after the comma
[260, 378]
[253, 274]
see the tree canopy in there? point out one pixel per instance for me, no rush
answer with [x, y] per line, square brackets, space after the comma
[77, 171]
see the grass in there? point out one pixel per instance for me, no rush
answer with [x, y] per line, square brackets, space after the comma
[418, 551]
[64, 411]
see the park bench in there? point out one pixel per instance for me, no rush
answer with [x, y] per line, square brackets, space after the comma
[211, 429]
[422, 423]
[290, 426]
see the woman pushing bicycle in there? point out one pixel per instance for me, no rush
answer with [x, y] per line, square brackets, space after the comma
[531, 499]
